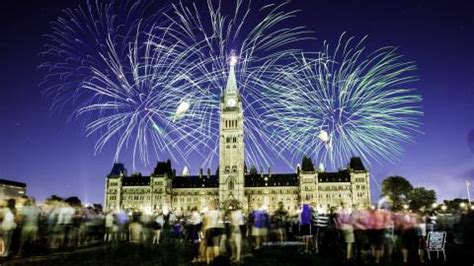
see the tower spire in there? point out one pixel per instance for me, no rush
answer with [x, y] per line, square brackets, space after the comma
[231, 87]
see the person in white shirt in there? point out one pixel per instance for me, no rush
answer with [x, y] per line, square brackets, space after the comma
[8, 225]
[213, 230]
[237, 220]
[196, 222]
[157, 225]
[109, 224]
[66, 212]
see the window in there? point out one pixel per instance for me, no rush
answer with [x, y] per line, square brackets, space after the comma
[231, 185]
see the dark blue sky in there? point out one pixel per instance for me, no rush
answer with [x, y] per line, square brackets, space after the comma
[53, 157]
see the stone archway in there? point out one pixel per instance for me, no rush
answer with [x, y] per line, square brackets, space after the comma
[231, 204]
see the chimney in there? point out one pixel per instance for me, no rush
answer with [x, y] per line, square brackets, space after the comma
[261, 171]
[200, 172]
[208, 172]
[269, 172]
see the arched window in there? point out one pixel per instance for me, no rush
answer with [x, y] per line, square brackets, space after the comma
[235, 139]
[231, 185]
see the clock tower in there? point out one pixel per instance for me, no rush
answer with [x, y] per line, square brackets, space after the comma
[231, 143]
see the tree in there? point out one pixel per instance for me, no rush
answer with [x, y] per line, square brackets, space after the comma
[53, 198]
[421, 197]
[454, 205]
[397, 189]
[74, 201]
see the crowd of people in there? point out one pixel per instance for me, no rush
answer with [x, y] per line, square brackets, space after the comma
[360, 234]
[28, 228]
[352, 233]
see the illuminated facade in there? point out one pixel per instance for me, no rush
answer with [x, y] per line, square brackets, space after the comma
[234, 184]
[11, 189]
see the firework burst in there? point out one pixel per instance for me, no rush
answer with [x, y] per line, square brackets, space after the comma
[263, 43]
[344, 102]
[130, 89]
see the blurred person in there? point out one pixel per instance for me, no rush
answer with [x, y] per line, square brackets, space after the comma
[389, 236]
[65, 216]
[431, 221]
[314, 227]
[236, 221]
[305, 227]
[331, 238]
[407, 226]
[177, 231]
[8, 225]
[280, 217]
[322, 224]
[213, 231]
[344, 223]
[109, 226]
[259, 226]
[377, 232]
[361, 224]
[84, 230]
[421, 230]
[196, 223]
[52, 220]
[135, 229]
[122, 220]
[147, 223]
[157, 226]
[30, 216]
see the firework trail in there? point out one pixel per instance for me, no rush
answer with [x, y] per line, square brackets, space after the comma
[130, 89]
[263, 43]
[150, 80]
[342, 103]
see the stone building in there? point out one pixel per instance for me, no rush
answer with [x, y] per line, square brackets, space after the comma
[11, 189]
[233, 184]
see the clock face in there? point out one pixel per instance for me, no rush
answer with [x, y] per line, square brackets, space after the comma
[231, 102]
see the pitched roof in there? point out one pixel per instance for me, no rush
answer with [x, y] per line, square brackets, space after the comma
[117, 170]
[327, 177]
[231, 86]
[307, 164]
[356, 164]
[275, 180]
[163, 168]
[136, 180]
[195, 181]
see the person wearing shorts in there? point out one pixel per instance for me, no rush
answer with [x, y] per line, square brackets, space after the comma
[344, 223]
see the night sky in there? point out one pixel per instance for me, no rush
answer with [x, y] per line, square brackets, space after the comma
[53, 156]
